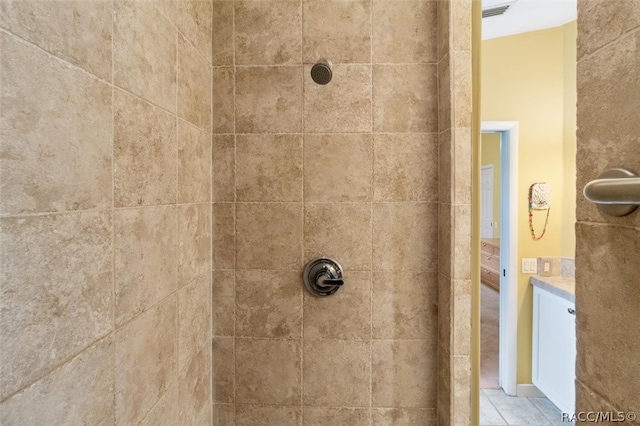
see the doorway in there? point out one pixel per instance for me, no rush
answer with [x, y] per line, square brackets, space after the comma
[500, 259]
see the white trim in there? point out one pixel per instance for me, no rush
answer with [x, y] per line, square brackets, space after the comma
[482, 206]
[529, 390]
[508, 356]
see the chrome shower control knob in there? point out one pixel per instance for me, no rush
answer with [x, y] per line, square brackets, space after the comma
[323, 277]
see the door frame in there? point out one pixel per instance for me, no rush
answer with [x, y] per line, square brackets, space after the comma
[508, 328]
[482, 206]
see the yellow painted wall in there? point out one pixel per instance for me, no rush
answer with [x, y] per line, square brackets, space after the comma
[490, 156]
[524, 80]
[569, 147]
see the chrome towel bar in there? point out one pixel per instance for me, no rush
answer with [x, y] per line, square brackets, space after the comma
[616, 192]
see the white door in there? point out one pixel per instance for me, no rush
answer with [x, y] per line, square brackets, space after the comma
[486, 202]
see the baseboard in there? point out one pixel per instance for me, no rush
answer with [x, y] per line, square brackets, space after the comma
[529, 390]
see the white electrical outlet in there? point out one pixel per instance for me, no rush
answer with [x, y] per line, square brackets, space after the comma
[547, 266]
[529, 265]
[495, 225]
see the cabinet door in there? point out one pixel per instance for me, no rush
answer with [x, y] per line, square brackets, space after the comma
[554, 348]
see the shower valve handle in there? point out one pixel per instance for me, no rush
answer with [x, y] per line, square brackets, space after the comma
[324, 281]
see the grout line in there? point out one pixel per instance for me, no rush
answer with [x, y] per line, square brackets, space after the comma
[235, 206]
[371, 204]
[620, 38]
[304, 209]
[54, 368]
[61, 59]
[112, 212]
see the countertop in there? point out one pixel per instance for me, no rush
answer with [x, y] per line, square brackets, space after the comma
[560, 286]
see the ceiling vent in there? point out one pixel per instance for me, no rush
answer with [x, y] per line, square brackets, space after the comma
[496, 10]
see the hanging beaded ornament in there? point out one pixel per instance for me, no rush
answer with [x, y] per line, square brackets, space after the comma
[539, 199]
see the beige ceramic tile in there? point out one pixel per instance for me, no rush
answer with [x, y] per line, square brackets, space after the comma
[443, 23]
[403, 417]
[461, 396]
[269, 236]
[223, 99]
[222, 33]
[275, 40]
[166, 411]
[169, 8]
[461, 313]
[608, 90]
[343, 105]
[344, 380]
[146, 361]
[224, 236]
[461, 216]
[194, 242]
[444, 313]
[461, 91]
[50, 263]
[587, 400]
[405, 98]
[194, 19]
[56, 133]
[223, 303]
[194, 164]
[606, 302]
[268, 371]
[346, 39]
[194, 86]
[269, 167]
[461, 16]
[224, 168]
[341, 231]
[251, 415]
[404, 374]
[344, 315]
[223, 360]
[144, 52]
[194, 390]
[80, 32]
[444, 93]
[268, 304]
[445, 239]
[224, 414]
[194, 317]
[405, 167]
[593, 13]
[405, 305]
[269, 99]
[445, 174]
[145, 259]
[462, 163]
[404, 31]
[338, 167]
[145, 153]
[79, 392]
[405, 237]
[314, 416]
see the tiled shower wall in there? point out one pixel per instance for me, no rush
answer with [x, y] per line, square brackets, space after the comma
[348, 170]
[607, 248]
[454, 216]
[105, 257]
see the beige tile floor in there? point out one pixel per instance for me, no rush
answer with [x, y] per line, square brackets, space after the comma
[498, 408]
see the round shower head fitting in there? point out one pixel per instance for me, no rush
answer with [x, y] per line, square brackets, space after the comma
[321, 72]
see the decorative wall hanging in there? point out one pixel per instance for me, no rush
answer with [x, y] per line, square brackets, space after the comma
[539, 199]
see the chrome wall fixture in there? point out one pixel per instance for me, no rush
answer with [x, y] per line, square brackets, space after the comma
[616, 192]
[323, 277]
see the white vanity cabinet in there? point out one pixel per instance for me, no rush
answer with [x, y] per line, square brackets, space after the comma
[554, 348]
